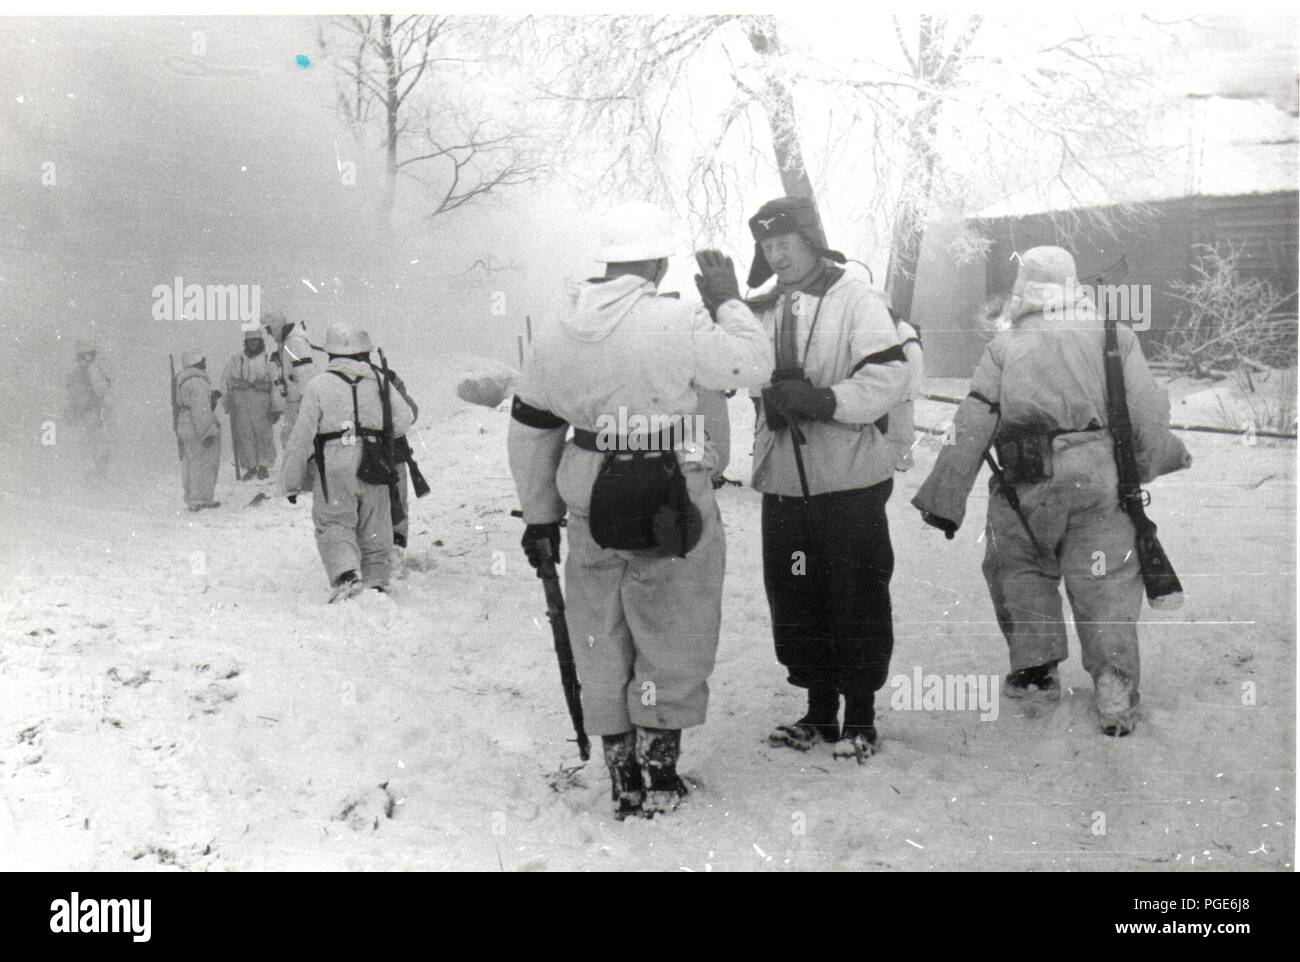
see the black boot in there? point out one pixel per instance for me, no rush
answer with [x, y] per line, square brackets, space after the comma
[657, 751]
[822, 722]
[624, 773]
[1040, 683]
[859, 739]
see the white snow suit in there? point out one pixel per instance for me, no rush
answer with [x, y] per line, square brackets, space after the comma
[644, 624]
[250, 398]
[297, 366]
[354, 528]
[901, 432]
[1046, 374]
[848, 342]
[88, 410]
[717, 424]
[200, 434]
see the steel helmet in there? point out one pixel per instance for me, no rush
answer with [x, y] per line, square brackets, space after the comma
[634, 231]
[274, 322]
[254, 335]
[345, 339]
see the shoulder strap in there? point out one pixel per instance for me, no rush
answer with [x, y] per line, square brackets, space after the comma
[356, 411]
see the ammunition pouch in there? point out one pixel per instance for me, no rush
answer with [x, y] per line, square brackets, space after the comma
[376, 467]
[1025, 455]
[639, 501]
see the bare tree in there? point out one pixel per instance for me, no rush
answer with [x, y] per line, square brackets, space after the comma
[1232, 321]
[387, 68]
[960, 116]
[935, 68]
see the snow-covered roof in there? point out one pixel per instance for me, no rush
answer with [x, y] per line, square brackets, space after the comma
[1213, 147]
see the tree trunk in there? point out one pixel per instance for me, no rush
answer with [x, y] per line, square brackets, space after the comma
[909, 230]
[391, 105]
[779, 107]
[909, 223]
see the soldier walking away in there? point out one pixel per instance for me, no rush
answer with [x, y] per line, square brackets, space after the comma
[199, 431]
[88, 408]
[1039, 396]
[825, 468]
[646, 545]
[254, 403]
[295, 362]
[337, 451]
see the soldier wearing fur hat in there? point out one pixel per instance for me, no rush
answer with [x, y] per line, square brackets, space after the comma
[199, 431]
[825, 468]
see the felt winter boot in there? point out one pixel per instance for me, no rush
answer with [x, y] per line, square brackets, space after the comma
[346, 585]
[821, 723]
[1117, 702]
[1039, 683]
[657, 751]
[858, 740]
[624, 773]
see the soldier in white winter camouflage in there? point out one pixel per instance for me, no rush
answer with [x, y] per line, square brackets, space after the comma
[199, 431]
[1039, 396]
[646, 543]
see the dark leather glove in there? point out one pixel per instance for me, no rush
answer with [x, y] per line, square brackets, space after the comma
[538, 535]
[716, 281]
[948, 528]
[772, 412]
[798, 398]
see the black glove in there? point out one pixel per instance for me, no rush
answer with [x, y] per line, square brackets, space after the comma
[293, 499]
[537, 535]
[716, 281]
[949, 528]
[798, 398]
[772, 413]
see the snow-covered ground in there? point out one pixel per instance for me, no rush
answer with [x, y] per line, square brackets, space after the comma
[174, 693]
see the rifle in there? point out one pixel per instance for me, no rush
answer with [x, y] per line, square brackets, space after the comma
[403, 450]
[563, 648]
[1164, 591]
[1012, 497]
[386, 402]
[234, 434]
[176, 410]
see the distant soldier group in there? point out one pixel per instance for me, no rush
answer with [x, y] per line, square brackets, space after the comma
[343, 439]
